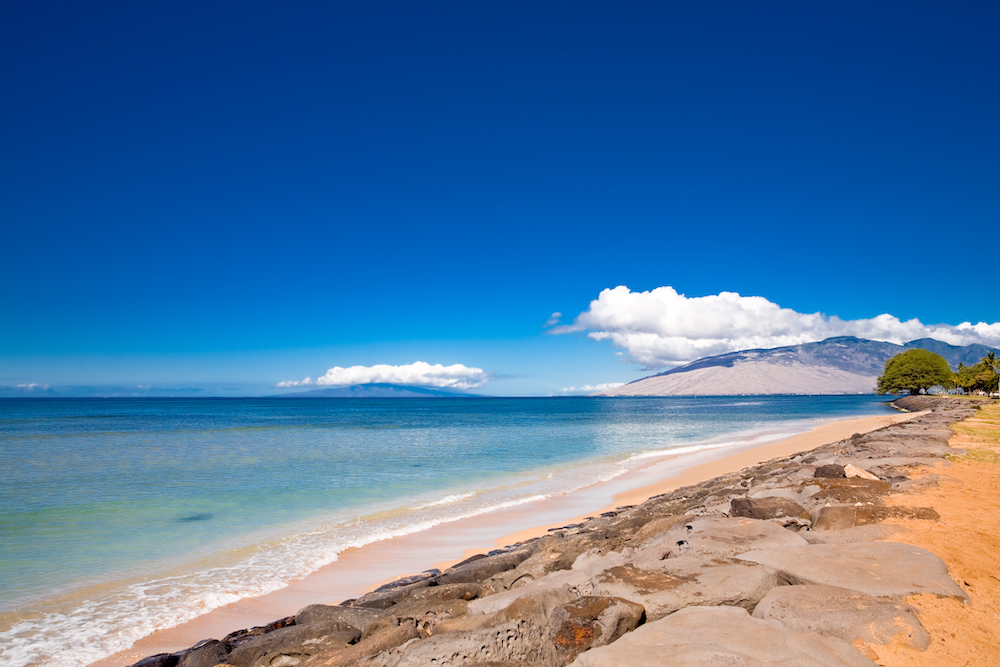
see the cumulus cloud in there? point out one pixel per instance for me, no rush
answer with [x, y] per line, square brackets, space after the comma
[418, 374]
[554, 319]
[596, 387]
[662, 327]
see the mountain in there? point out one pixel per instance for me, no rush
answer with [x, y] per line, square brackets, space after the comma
[966, 354]
[376, 390]
[841, 365]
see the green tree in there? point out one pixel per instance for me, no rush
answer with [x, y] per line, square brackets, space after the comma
[912, 371]
[978, 377]
[991, 373]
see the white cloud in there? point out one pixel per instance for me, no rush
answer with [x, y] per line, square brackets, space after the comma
[420, 374]
[596, 387]
[33, 385]
[664, 328]
[553, 319]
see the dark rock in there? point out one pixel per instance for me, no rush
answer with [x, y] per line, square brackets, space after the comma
[848, 490]
[830, 470]
[427, 614]
[240, 637]
[207, 653]
[160, 660]
[337, 617]
[388, 595]
[479, 569]
[785, 511]
[297, 642]
[592, 621]
[465, 592]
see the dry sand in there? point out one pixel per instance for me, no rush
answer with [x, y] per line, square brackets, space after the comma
[360, 570]
[967, 538]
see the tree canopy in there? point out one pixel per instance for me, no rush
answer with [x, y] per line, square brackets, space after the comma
[980, 377]
[912, 371]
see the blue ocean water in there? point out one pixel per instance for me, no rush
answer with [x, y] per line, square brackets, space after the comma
[119, 517]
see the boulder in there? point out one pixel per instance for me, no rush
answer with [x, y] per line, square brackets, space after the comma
[388, 595]
[336, 616]
[592, 621]
[480, 568]
[852, 470]
[839, 517]
[568, 583]
[160, 660]
[676, 583]
[885, 569]
[830, 470]
[721, 636]
[774, 508]
[447, 592]
[840, 612]
[717, 536]
[553, 554]
[870, 533]
[427, 614]
[206, 653]
[296, 642]
[383, 640]
[528, 632]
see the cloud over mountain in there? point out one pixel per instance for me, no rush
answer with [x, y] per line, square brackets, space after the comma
[662, 327]
[417, 374]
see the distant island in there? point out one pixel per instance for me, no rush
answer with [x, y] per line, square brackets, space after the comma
[376, 390]
[841, 365]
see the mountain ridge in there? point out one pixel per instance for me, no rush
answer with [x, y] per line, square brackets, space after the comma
[838, 365]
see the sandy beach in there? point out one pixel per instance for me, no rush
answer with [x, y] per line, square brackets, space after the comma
[360, 570]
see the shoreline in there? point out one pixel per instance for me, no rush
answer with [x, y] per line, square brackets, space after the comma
[367, 567]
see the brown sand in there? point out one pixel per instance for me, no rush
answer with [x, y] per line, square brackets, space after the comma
[359, 570]
[967, 538]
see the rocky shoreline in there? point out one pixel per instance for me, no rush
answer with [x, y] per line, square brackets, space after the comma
[779, 563]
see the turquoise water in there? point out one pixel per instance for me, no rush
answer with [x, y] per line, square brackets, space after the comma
[118, 517]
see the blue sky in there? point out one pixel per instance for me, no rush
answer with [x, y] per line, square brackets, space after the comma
[224, 196]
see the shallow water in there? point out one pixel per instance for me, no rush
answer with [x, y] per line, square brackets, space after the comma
[119, 517]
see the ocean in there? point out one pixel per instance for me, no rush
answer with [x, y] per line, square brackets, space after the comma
[119, 517]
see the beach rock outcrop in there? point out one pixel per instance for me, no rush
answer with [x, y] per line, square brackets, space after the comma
[688, 581]
[782, 510]
[294, 643]
[714, 636]
[797, 541]
[531, 633]
[719, 536]
[478, 568]
[336, 616]
[840, 612]
[887, 569]
[206, 653]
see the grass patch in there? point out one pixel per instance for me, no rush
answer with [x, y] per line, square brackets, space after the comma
[980, 455]
[984, 428]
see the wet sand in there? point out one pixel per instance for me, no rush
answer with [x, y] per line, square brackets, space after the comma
[360, 570]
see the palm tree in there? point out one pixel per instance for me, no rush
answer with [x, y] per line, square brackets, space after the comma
[992, 364]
